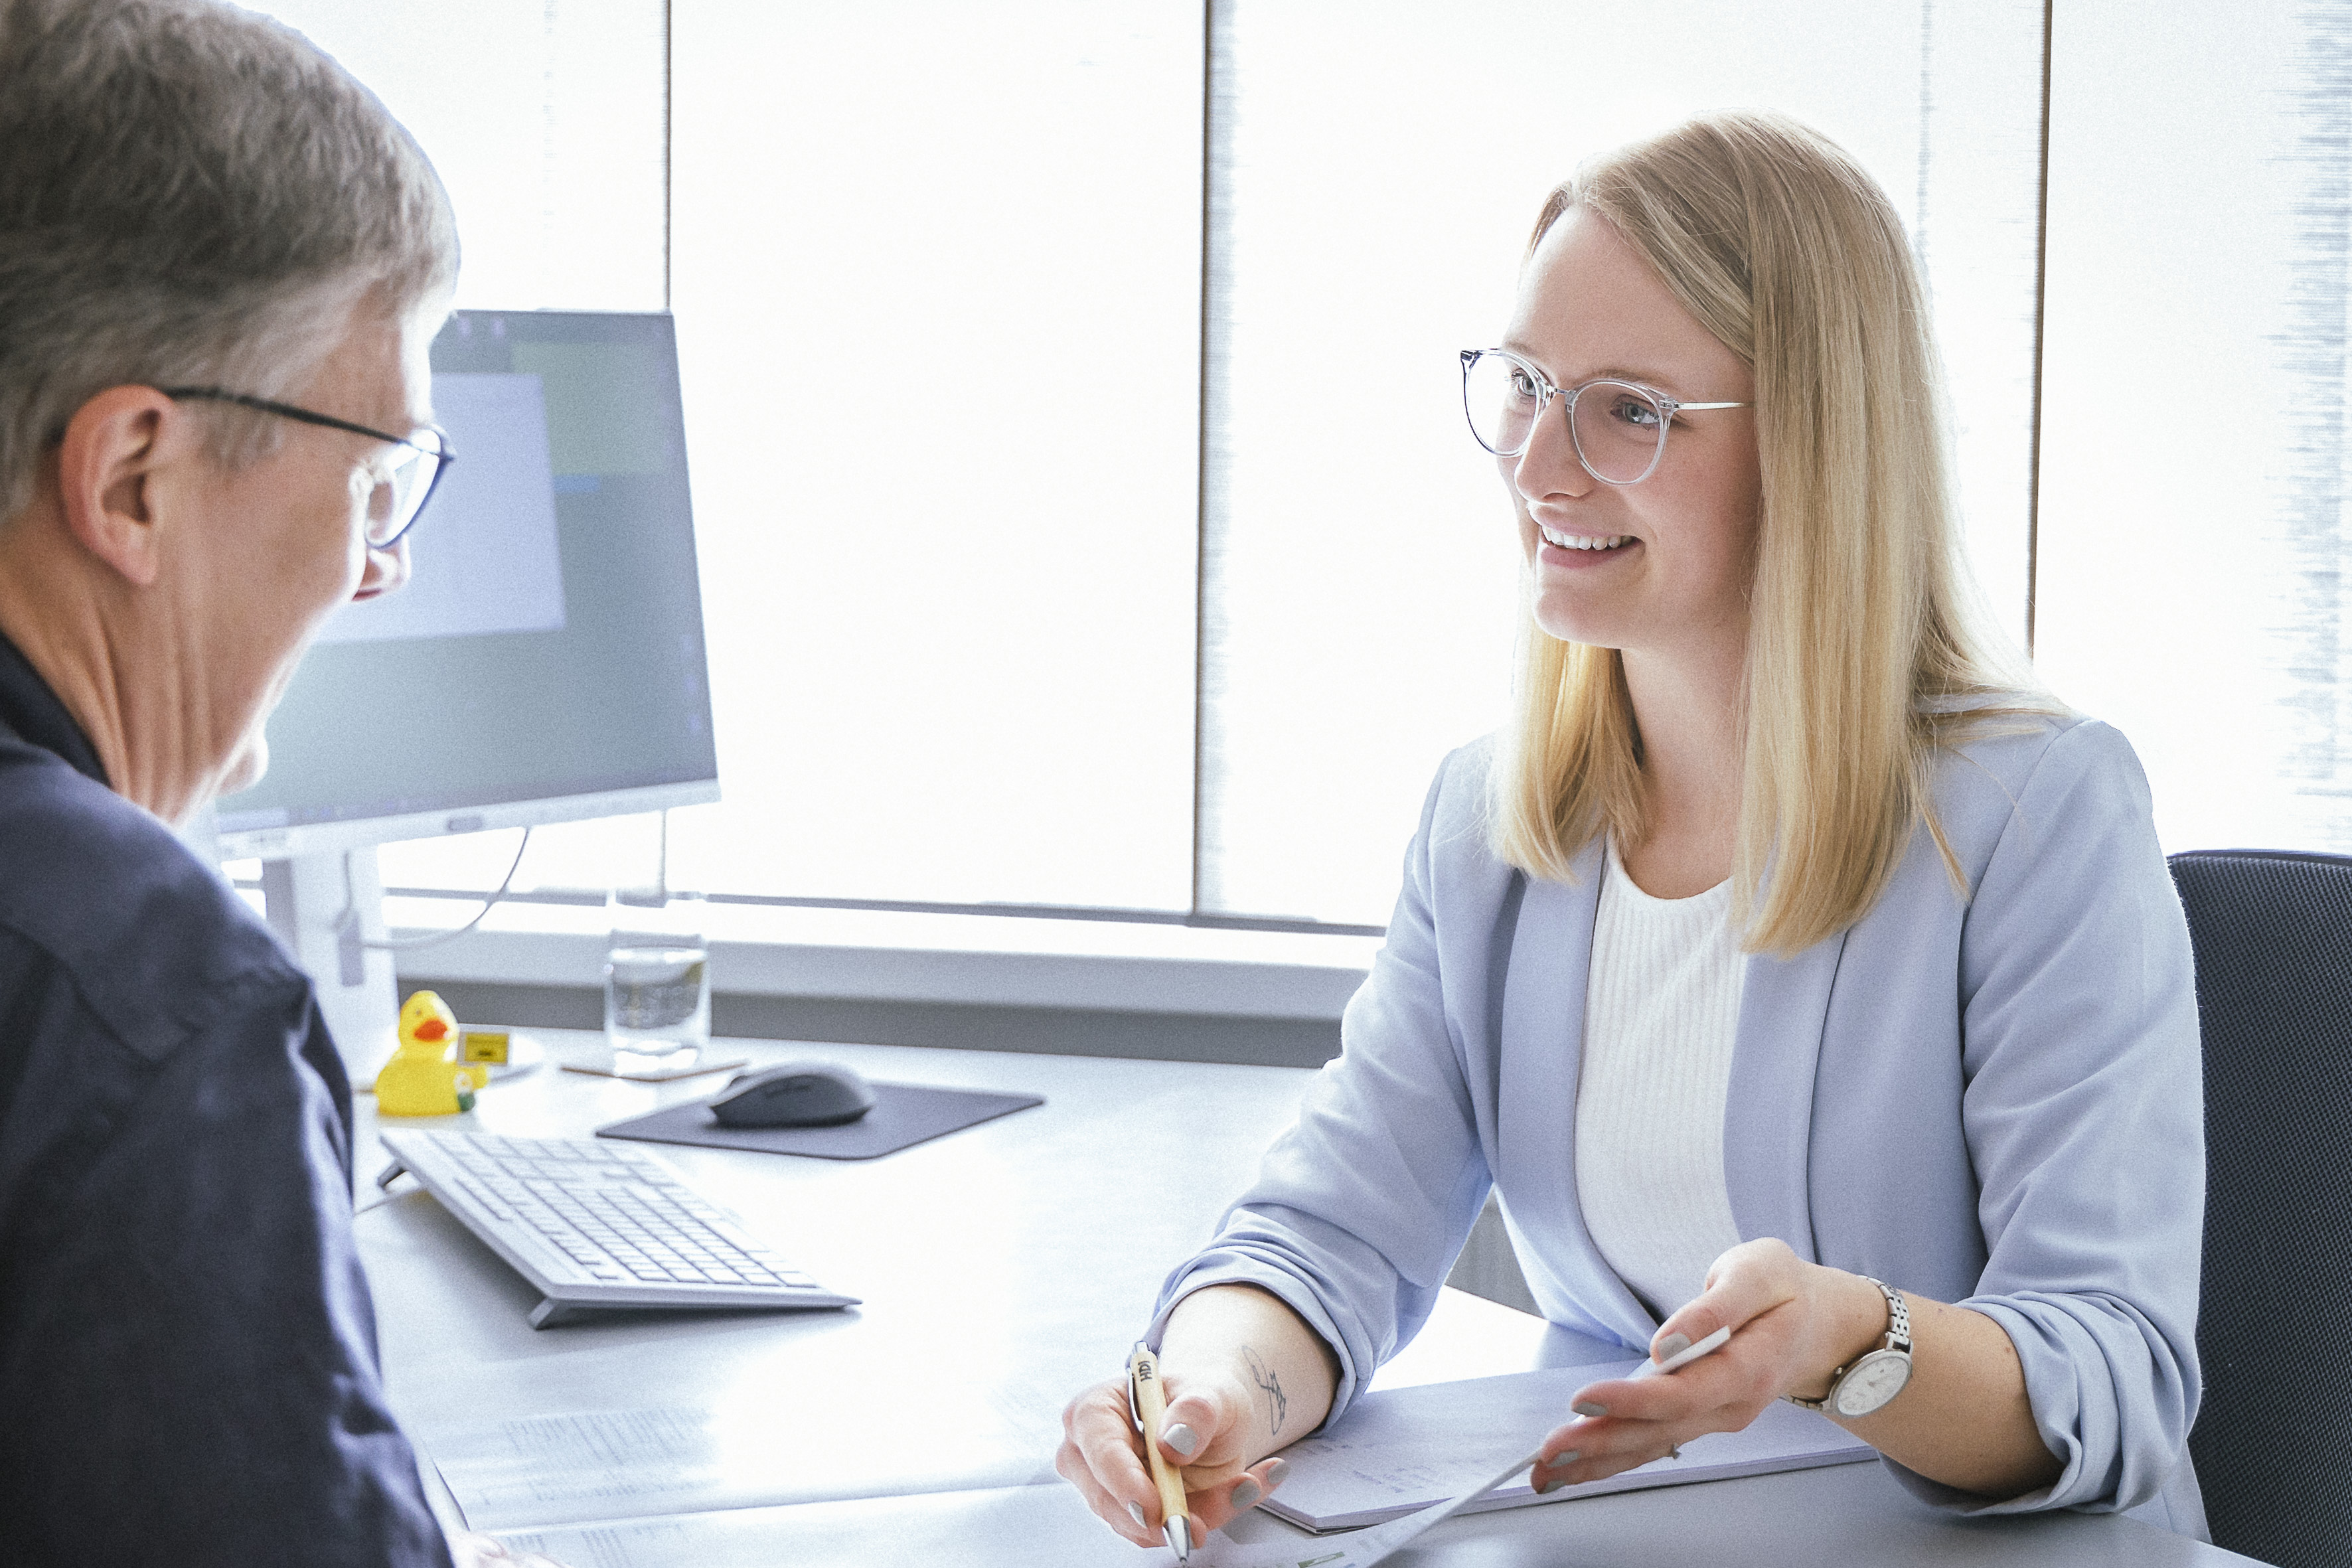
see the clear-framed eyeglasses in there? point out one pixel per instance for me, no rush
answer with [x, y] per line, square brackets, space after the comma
[1618, 427]
[410, 474]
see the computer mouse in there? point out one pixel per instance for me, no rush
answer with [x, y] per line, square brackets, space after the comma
[794, 1094]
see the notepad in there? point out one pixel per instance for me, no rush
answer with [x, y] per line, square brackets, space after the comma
[1400, 1450]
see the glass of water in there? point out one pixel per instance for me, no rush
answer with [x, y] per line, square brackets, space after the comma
[656, 974]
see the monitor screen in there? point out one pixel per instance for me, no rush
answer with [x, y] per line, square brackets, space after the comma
[545, 661]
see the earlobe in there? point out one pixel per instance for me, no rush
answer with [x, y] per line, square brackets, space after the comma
[106, 469]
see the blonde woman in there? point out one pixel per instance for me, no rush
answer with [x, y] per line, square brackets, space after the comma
[1784, 945]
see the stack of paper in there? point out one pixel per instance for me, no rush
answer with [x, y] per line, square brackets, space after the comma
[1399, 1451]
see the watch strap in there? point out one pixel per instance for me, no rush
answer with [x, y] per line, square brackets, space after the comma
[1898, 1338]
[1898, 1318]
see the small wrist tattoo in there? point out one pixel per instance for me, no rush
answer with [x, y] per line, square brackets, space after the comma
[1270, 1384]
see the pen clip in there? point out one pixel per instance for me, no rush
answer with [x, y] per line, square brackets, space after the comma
[1134, 1406]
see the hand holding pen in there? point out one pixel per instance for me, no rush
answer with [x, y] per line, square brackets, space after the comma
[1148, 1403]
[1787, 1326]
[1201, 1440]
[1582, 1450]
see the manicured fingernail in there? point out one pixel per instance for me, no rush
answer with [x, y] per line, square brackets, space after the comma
[1181, 1438]
[1245, 1494]
[1137, 1510]
[1558, 1462]
[1590, 1408]
[1671, 1346]
[1275, 1473]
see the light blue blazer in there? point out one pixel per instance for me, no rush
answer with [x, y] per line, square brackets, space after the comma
[1995, 1102]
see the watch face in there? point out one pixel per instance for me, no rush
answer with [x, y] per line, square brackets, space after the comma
[1873, 1381]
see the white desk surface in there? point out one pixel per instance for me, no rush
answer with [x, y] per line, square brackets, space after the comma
[1023, 1256]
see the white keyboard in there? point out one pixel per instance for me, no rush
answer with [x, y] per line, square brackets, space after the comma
[597, 1224]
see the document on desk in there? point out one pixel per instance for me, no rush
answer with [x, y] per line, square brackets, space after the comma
[757, 1539]
[604, 1465]
[1399, 1450]
[1047, 1524]
[658, 1418]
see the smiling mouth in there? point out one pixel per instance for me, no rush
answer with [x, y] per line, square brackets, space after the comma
[1562, 540]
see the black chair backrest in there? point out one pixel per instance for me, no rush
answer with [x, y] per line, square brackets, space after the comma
[2273, 933]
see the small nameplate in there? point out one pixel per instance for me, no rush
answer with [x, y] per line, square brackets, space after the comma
[485, 1046]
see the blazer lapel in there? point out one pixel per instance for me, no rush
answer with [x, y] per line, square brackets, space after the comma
[1768, 1121]
[1541, 1049]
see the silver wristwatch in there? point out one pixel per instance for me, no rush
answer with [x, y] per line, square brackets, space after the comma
[1866, 1384]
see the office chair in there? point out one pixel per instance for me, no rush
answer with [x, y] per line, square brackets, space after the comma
[2272, 934]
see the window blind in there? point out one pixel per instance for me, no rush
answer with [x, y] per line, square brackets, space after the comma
[2191, 585]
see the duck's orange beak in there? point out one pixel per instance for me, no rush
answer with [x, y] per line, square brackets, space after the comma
[431, 1029]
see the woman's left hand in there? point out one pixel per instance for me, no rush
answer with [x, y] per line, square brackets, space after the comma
[1792, 1324]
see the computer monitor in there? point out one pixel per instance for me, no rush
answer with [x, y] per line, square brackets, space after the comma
[545, 662]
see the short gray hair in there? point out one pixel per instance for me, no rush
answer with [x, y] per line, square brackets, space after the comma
[190, 193]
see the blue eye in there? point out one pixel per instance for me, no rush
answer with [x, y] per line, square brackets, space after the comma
[1639, 412]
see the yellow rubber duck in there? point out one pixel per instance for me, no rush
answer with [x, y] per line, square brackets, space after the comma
[421, 1079]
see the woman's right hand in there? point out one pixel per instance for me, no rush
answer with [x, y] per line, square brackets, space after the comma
[1211, 1431]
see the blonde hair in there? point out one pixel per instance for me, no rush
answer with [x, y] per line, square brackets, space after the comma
[1864, 656]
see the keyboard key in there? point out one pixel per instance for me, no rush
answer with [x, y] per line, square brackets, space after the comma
[494, 1207]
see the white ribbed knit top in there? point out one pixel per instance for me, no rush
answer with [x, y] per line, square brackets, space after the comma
[1660, 1010]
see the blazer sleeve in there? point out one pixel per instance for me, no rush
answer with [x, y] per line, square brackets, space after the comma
[1361, 1209]
[2083, 1112]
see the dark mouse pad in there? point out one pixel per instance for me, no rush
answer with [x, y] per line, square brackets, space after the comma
[904, 1114]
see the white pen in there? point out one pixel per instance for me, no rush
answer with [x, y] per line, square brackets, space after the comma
[1682, 1357]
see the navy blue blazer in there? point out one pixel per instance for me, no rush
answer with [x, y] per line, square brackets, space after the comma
[1996, 1101]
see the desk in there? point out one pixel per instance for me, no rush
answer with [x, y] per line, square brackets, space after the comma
[1026, 1253]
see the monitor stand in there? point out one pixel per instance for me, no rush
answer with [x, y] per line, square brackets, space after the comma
[326, 916]
[328, 923]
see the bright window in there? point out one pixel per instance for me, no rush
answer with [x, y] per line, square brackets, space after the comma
[2196, 562]
[937, 276]
[948, 279]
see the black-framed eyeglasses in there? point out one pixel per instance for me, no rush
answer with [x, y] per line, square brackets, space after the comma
[417, 460]
[1618, 427]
